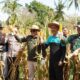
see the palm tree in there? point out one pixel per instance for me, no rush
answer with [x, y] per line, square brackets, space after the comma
[76, 5]
[75, 2]
[11, 7]
[59, 13]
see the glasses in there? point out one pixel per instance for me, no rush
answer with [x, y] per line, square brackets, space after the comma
[33, 30]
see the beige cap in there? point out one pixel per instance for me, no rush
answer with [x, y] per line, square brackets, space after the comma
[35, 27]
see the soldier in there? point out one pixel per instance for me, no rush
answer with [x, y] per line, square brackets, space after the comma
[57, 53]
[33, 46]
[74, 44]
[66, 61]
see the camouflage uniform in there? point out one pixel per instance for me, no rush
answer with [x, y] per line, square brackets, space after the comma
[33, 47]
[74, 40]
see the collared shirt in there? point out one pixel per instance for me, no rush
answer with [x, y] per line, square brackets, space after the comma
[53, 39]
[57, 50]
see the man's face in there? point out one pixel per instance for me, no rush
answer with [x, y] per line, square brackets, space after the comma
[34, 32]
[54, 30]
[65, 31]
[78, 30]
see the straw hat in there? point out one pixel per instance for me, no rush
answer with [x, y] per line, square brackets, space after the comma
[54, 23]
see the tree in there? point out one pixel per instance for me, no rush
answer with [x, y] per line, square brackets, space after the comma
[75, 2]
[42, 12]
[76, 5]
[11, 7]
[43, 15]
[59, 13]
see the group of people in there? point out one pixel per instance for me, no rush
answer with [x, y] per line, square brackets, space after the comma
[62, 49]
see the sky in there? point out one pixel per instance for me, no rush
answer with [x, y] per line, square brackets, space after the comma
[68, 12]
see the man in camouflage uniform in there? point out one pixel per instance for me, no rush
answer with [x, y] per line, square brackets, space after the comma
[66, 61]
[33, 46]
[74, 44]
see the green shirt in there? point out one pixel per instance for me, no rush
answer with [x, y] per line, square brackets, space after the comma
[74, 40]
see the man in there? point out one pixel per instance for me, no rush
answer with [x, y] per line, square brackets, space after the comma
[33, 46]
[74, 47]
[13, 48]
[66, 61]
[57, 53]
[65, 32]
[2, 48]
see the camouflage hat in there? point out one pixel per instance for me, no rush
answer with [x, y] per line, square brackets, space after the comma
[35, 27]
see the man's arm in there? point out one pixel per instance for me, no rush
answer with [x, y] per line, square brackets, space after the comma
[24, 39]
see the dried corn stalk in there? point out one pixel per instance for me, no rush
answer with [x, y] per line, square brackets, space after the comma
[19, 60]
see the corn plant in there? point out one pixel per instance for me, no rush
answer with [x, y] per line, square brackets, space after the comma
[20, 60]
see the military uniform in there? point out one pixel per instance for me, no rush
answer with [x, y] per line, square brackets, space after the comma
[66, 61]
[74, 40]
[33, 48]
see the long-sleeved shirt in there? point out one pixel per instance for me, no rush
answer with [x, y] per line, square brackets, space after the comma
[32, 46]
[57, 49]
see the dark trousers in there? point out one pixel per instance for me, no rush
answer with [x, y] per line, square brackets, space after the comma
[10, 61]
[55, 71]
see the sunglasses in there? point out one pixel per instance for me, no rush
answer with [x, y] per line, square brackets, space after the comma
[34, 30]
